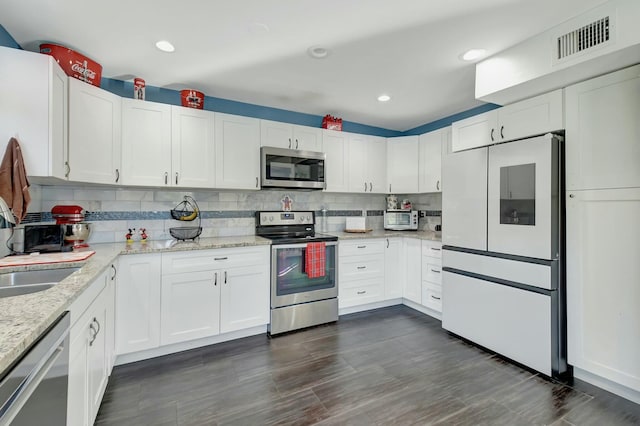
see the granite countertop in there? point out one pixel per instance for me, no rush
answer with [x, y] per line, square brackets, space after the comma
[383, 233]
[24, 318]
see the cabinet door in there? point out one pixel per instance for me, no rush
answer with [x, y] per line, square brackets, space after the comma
[430, 167]
[357, 146]
[402, 164]
[94, 134]
[535, 116]
[413, 257]
[376, 164]
[603, 273]
[190, 307]
[336, 149]
[138, 303]
[277, 134]
[192, 148]
[473, 132]
[34, 108]
[97, 363]
[237, 152]
[244, 300]
[146, 143]
[77, 390]
[307, 138]
[603, 132]
[110, 301]
[394, 269]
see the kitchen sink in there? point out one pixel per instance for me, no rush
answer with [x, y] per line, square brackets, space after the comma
[25, 282]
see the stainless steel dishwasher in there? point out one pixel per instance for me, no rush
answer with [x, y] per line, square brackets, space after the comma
[34, 391]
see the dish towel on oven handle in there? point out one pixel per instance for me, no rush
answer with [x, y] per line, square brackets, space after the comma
[315, 260]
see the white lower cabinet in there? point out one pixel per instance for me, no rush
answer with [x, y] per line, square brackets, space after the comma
[432, 275]
[245, 295]
[89, 354]
[413, 268]
[361, 272]
[393, 268]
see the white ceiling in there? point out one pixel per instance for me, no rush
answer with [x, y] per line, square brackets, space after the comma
[255, 51]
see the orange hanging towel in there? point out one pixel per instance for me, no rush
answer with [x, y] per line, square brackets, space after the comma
[315, 260]
[14, 185]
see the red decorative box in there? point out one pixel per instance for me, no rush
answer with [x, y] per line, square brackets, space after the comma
[332, 123]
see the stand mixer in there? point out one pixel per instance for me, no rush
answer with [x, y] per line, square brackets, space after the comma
[74, 230]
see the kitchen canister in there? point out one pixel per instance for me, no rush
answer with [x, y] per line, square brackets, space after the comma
[138, 88]
[192, 98]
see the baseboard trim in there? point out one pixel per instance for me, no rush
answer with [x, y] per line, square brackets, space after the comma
[369, 306]
[423, 309]
[606, 384]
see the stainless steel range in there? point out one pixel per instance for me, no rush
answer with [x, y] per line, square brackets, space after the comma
[300, 297]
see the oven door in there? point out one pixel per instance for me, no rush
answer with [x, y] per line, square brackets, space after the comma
[523, 204]
[291, 285]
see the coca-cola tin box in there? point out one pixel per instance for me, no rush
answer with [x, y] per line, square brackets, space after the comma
[74, 64]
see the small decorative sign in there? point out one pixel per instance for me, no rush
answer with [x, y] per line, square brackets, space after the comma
[287, 203]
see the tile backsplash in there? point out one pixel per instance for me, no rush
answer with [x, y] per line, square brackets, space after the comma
[112, 211]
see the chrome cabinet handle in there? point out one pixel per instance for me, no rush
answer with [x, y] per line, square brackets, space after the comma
[438, 185]
[370, 187]
[225, 277]
[572, 196]
[492, 135]
[117, 175]
[289, 143]
[434, 297]
[257, 182]
[437, 272]
[362, 246]
[362, 292]
[365, 187]
[435, 249]
[502, 132]
[176, 178]
[166, 178]
[215, 278]
[68, 172]
[389, 187]
[115, 272]
[94, 335]
[96, 321]
[361, 267]
[296, 143]
[387, 243]
[220, 258]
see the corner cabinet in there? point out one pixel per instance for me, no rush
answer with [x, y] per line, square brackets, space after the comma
[367, 163]
[34, 110]
[393, 268]
[431, 147]
[402, 164]
[413, 282]
[237, 142]
[95, 117]
[530, 117]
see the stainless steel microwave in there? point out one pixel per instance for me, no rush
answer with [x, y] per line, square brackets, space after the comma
[401, 220]
[290, 168]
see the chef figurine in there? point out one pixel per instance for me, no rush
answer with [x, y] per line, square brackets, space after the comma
[143, 235]
[129, 235]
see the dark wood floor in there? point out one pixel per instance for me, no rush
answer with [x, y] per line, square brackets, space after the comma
[389, 366]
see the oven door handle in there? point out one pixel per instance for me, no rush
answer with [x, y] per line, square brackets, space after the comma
[298, 245]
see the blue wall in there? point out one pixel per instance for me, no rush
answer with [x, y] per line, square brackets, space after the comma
[7, 40]
[167, 96]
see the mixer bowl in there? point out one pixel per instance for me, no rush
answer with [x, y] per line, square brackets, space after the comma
[76, 232]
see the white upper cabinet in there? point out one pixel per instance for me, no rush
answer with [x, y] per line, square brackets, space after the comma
[431, 147]
[146, 143]
[34, 110]
[291, 136]
[603, 132]
[192, 148]
[95, 118]
[237, 152]
[535, 116]
[164, 145]
[336, 149]
[402, 164]
[366, 163]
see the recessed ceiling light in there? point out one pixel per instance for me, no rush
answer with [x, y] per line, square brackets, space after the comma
[165, 46]
[473, 54]
[318, 52]
[384, 98]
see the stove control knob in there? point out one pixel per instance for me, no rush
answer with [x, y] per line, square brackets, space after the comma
[309, 219]
[270, 218]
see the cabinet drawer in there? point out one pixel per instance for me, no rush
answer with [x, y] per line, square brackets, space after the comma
[360, 293]
[359, 247]
[432, 249]
[207, 260]
[431, 270]
[432, 297]
[361, 267]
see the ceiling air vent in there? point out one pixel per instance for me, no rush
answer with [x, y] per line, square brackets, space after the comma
[591, 35]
